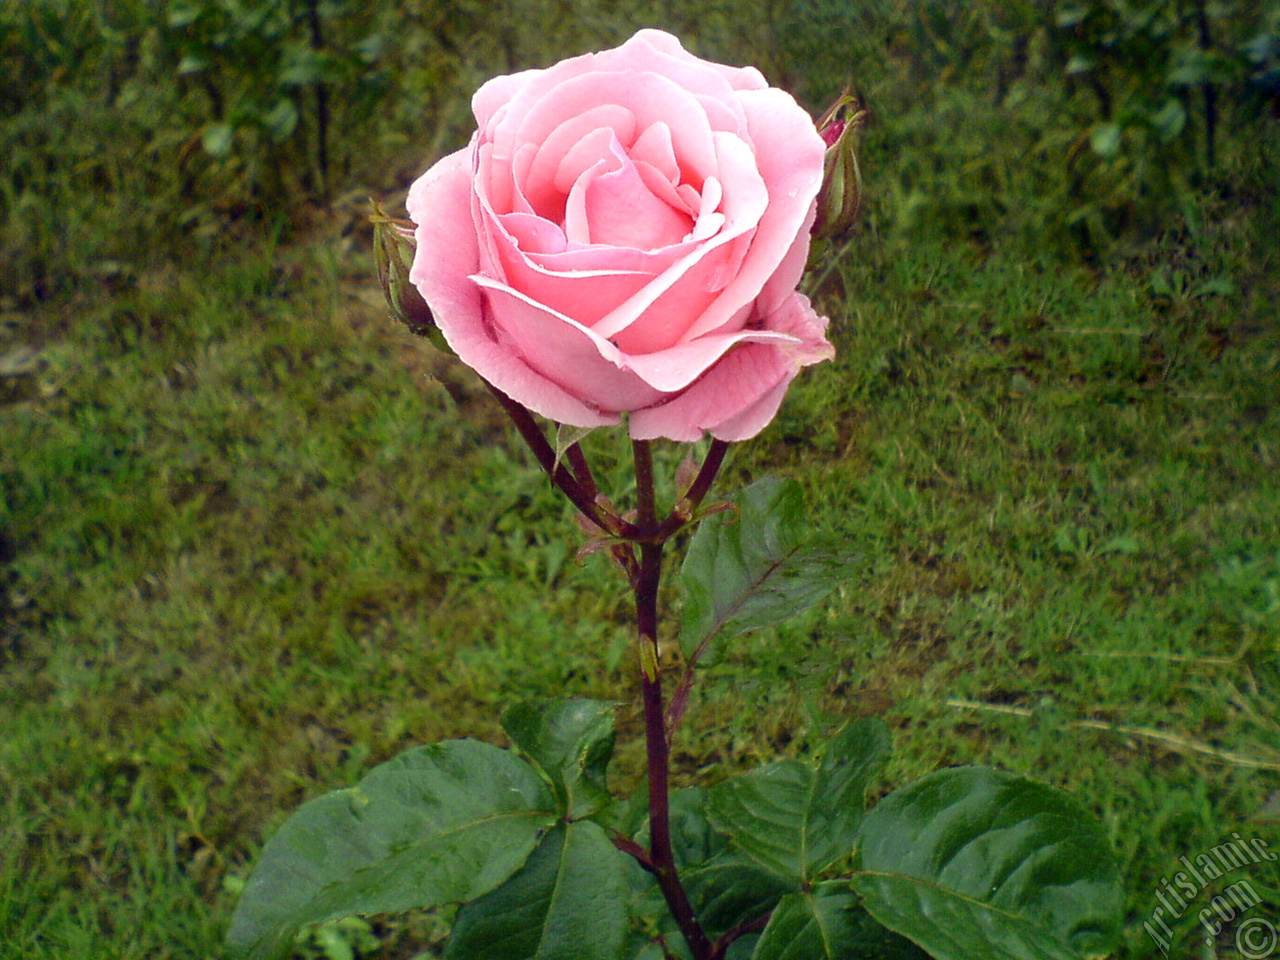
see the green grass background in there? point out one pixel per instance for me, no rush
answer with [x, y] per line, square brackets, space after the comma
[254, 539]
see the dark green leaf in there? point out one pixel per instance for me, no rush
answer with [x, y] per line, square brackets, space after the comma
[826, 923]
[750, 568]
[183, 14]
[796, 818]
[725, 888]
[729, 890]
[436, 825]
[975, 863]
[847, 764]
[763, 813]
[570, 742]
[568, 902]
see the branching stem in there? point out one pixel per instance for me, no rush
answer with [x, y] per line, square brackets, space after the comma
[649, 535]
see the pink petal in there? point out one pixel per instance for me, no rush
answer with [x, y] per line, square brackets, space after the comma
[447, 253]
[623, 212]
[724, 116]
[788, 154]
[740, 394]
[665, 311]
[596, 148]
[659, 51]
[533, 234]
[539, 182]
[497, 93]
[662, 188]
[562, 351]
[520, 165]
[577, 229]
[676, 367]
[650, 97]
[790, 271]
[654, 147]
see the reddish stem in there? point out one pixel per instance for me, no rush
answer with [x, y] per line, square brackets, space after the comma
[650, 536]
[657, 750]
[697, 491]
[580, 490]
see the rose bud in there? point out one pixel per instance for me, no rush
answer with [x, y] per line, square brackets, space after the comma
[391, 237]
[623, 238]
[841, 193]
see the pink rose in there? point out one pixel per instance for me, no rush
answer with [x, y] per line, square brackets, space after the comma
[624, 234]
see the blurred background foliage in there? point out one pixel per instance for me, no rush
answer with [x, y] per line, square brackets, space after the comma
[144, 129]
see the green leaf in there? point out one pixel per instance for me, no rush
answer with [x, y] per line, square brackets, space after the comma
[567, 902]
[795, 818]
[763, 813]
[570, 742]
[729, 890]
[438, 824]
[725, 888]
[972, 862]
[826, 923]
[848, 763]
[1078, 64]
[1214, 287]
[752, 570]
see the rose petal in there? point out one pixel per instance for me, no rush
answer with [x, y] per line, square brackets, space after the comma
[676, 367]
[654, 147]
[662, 188]
[520, 165]
[650, 97]
[736, 398]
[683, 289]
[623, 212]
[576, 227]
[660, 51]
[583, 283]
[564, 352]
[447, 254]
[788, 154]
[787, 277]
[597, 147]
[497, 92]
[533, 234]
[550, 155]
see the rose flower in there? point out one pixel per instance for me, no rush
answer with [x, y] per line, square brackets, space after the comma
[624, 234]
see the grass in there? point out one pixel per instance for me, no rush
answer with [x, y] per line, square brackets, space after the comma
[253, 540]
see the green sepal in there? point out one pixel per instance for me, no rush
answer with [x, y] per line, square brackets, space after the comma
[392, 238]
